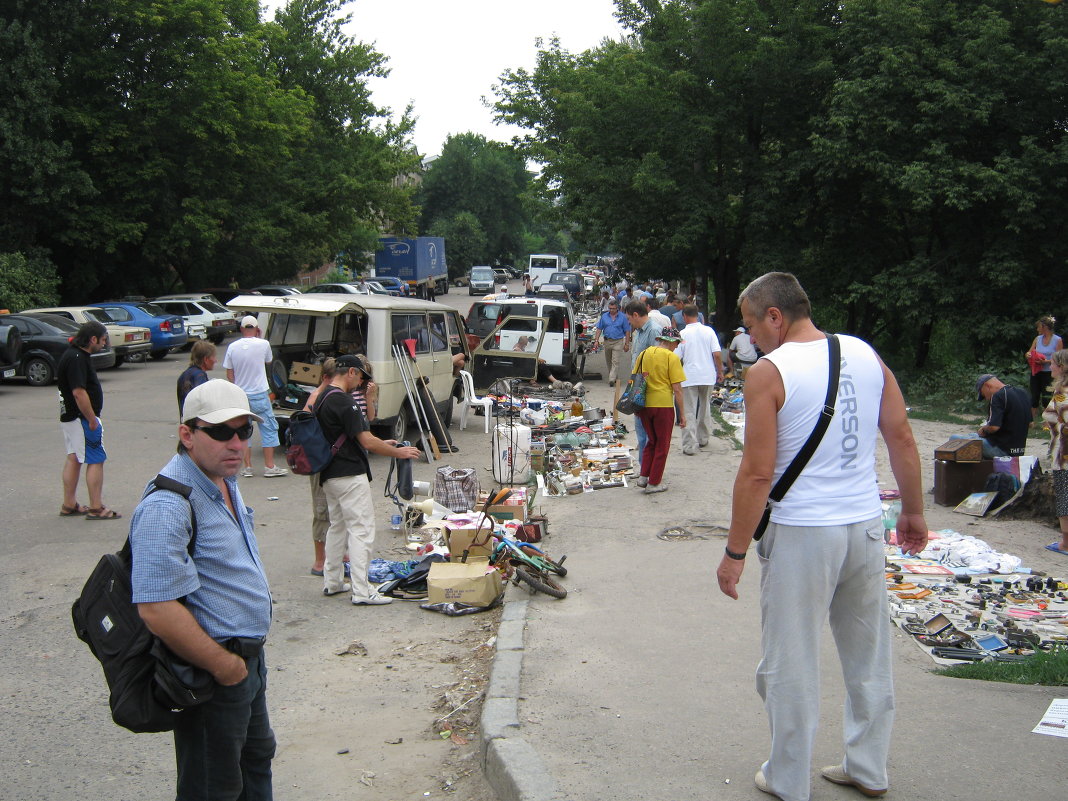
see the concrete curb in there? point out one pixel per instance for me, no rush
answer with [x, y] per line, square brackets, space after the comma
[512, 767]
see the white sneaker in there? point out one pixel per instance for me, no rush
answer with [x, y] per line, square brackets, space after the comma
[247, 472]
[374, 600]
[271, 472]
[344, 588]
[642, 481]
[649, 490]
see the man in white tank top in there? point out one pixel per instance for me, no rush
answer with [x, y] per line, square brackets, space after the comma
[822, 554]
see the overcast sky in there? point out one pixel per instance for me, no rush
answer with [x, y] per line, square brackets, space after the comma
[445, 55]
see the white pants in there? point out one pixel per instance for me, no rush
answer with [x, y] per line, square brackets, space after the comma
[352, 526]
[695, 405]
[806, 573]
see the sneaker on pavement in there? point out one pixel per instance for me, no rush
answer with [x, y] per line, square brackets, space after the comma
[271, 472]
[649, 490]
[374, 600]
[344, 588]
[689, 451]
[762, 784]
[247, 472]
[642, 481]
[837, 774]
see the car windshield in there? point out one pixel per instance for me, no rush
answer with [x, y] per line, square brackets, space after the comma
[151, 309]
[213, 307]
[482, 274]
[99, 315]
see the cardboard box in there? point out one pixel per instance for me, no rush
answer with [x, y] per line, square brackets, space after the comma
[508, 511]
[474, 583]
[477, 542]
[960, 450]
[304, 373]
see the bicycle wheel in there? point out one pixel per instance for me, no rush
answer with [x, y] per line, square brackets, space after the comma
[540, 583]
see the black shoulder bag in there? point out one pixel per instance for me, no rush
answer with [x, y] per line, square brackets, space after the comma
[793, 470]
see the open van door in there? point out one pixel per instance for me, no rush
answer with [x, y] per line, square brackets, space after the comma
[498, 358]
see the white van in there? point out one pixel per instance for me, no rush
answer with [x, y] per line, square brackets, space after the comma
[551, 324]
[306, 329]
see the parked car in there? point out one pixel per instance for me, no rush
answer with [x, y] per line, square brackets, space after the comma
[482, 318]
[168, 330]
[553, 292]
[395, 286]
[276, 290]
[44, 339]
[557, 334]
[305, 329]
[379, 289]
[130, 342]
[573, 282]
[501, 275]
[339, 289]
[10, 349]
[480, 281]
[218, 321]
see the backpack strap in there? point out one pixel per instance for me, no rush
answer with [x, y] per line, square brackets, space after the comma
[340, 441]
[162, 482]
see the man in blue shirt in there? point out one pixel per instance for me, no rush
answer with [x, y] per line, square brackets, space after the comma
[614, 327]
[212, 608]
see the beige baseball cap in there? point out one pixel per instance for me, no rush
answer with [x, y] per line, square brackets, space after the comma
[217, 401]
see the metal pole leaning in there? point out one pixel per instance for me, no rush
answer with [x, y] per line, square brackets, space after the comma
[413, 402]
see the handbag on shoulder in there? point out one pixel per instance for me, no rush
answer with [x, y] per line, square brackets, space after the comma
[633, 397]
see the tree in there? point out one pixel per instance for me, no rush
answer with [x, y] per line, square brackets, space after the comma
[465, 241]
[486, 180]
[26, 282]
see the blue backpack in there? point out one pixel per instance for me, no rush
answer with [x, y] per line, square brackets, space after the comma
[307, 449]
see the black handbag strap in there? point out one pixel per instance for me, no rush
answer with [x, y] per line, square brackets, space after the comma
[793, 470]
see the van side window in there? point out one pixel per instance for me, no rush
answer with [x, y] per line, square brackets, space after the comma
[411, 326]
[289, 329]
[439, 336]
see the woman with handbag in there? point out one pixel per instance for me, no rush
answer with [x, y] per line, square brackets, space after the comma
[1039, 358]
[663, 393]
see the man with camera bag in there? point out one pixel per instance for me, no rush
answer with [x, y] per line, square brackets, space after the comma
[211, 607]
[822, 554]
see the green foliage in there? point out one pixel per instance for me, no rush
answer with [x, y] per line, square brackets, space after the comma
[483, 179]
[27, 282]
[186, 142]
[906, 158]
[465, 241]
[1045, 668]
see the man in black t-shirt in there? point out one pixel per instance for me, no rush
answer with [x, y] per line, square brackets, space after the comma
[80, 403]
[1005, 430]
[346, 483]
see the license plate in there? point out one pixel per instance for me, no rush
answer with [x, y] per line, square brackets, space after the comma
[9, 373]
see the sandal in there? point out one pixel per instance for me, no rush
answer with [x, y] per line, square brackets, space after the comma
[73, 511]
[103, 513]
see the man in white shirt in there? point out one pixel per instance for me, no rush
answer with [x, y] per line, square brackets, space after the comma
[742, 351]
[703, 365]
[246, 363]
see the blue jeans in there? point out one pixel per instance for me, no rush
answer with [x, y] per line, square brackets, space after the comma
[639, 432]
[260, 403]
[224, 748]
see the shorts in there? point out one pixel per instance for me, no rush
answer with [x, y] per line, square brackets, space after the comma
[260, 404]
[86, 445]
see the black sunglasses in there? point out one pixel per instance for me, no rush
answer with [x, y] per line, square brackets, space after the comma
[225, 433]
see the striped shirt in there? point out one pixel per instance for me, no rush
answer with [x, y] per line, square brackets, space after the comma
[224, 584]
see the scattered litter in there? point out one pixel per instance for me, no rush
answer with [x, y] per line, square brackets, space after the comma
[1055, 721]
[354, 648]
[368, 778]
[343, 751]
[398, 741]
[272, 497]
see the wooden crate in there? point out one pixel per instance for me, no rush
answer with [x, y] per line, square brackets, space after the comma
[955, 481]
[960, 450]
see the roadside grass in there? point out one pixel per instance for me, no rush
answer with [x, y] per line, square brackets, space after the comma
[1047, 668]
[725, 430]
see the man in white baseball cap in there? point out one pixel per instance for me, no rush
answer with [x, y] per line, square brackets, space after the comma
[246, 363]
[210, 604]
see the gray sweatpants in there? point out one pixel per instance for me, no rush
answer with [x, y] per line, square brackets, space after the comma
[807, 574]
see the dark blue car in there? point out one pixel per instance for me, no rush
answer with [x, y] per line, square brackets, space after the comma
[168, 330]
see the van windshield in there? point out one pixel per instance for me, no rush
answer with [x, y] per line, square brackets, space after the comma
[482, 274]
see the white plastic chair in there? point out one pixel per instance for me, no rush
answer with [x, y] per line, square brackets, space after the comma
[470, 399]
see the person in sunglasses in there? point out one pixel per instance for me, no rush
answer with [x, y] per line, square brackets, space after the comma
[212, 607]
[346, 482]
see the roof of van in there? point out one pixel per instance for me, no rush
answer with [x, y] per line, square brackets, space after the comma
[328, 303]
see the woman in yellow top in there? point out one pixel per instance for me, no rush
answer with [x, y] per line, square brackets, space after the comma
[1056, 417]
[663, 392]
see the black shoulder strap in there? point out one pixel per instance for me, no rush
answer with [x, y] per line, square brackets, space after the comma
[795, 467]
[162, 482]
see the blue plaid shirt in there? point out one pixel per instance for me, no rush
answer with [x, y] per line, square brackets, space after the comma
[224, 583]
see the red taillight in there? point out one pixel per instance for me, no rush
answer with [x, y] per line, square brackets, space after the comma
[567, 338]
[165, 325]
[131, 337]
